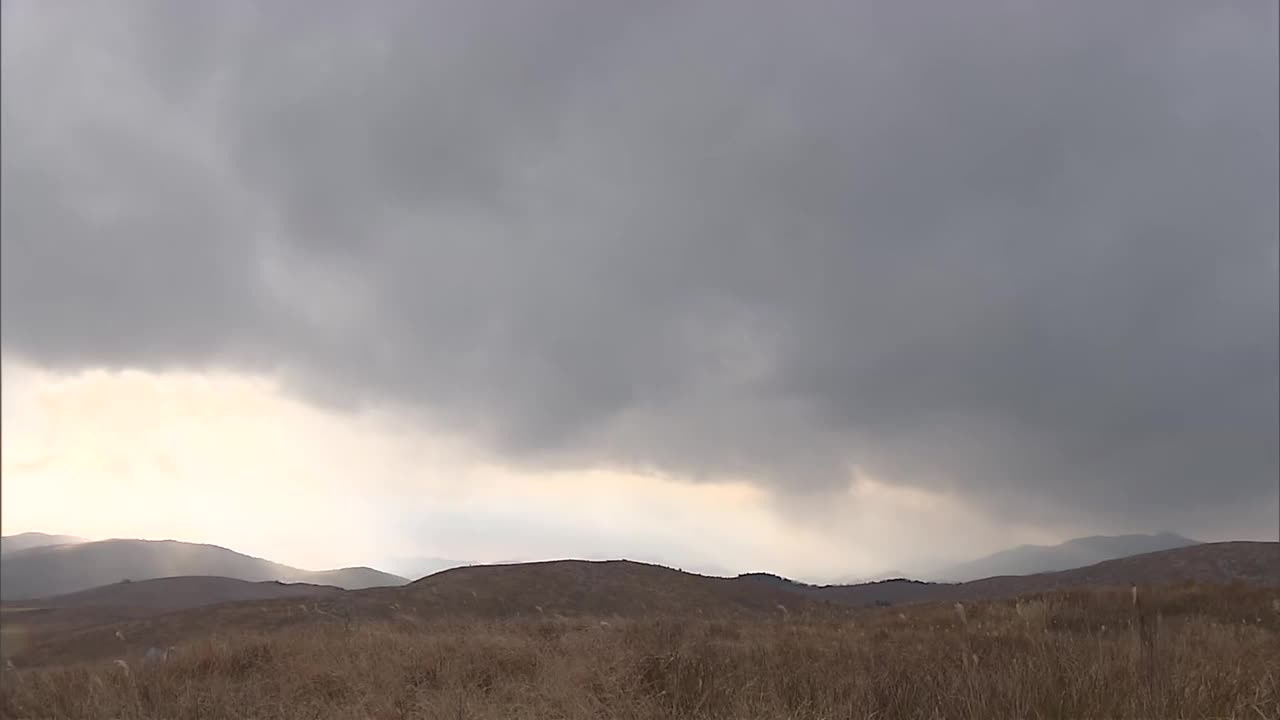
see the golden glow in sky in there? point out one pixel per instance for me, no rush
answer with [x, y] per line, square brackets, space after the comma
[233, 460]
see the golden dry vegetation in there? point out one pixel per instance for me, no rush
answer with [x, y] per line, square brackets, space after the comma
[1187, 652]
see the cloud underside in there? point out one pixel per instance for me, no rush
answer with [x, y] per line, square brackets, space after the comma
[1025, 253]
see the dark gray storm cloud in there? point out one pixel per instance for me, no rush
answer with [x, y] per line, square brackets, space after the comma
[1023, 251]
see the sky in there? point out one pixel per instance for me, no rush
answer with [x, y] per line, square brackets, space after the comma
[825, 289]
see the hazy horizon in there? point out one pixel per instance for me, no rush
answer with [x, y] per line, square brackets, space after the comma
[419, 566]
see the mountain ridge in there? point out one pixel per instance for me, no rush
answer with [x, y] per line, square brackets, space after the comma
[1073, 553]
[1254, 562]
[615, 588]
[180, 593]
[52, 570]
[29, 540]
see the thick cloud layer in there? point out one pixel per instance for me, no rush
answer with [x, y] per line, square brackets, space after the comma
[1023, 251]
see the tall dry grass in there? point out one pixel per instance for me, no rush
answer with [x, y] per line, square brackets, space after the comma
[1184, 653]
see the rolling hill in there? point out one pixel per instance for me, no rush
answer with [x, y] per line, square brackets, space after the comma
[46, 571]
[862, 594]
[1080, 552]
[180, 593]
[26, 541]
[561, 588]
[1209, 563]
[603, 589]
[65, 615]
[1256, 563]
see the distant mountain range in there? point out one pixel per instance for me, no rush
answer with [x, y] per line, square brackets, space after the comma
[47, 570]
[80, 629]
[39, 565]
[1080, 552]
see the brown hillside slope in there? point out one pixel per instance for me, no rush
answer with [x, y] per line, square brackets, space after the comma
[614, 589]
[1256, 563]
[1063, 655]
[860, 595]
[565, 588]
[65, 615]
[180, 593]
[610, 587]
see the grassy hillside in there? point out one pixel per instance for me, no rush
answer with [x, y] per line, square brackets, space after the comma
[1217, 563]
[610, 589]
[567, 588]
[581, 586]
[1207, 563]
[178, 593]
[1187, 652]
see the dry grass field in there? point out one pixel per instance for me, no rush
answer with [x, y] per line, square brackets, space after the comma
[1185, 652]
